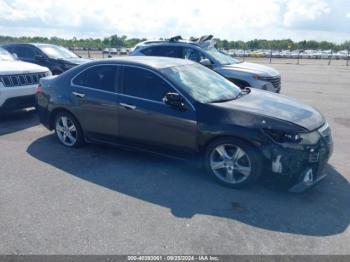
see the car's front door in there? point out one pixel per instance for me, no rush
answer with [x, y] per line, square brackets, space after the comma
[145, 118]
[94, 93]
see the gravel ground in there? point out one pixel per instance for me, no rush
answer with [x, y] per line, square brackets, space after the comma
[98, 200]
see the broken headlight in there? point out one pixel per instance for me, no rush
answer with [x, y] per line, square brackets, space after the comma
[296, 138]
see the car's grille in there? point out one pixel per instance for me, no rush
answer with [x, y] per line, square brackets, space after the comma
[275, 81]
[22, 79]
[325, 132]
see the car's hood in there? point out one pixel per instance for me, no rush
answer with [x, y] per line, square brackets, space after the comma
[252, 68]
[76, 60]
[20, 67]
[278, 107]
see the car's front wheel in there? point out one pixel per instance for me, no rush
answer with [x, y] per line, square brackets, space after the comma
[68, 130]
[233, 163]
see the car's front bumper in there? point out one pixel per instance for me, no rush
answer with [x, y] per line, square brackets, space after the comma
[13, 98]
[302, 166]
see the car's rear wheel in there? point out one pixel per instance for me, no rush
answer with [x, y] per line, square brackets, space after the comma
[233, 163]
[68, 130]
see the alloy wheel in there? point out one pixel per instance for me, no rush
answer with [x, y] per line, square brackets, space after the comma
[66, 131]
[230, 163]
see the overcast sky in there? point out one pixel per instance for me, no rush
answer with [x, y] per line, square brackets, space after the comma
[230, 19]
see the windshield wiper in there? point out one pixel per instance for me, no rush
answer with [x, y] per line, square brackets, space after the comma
[222, 100]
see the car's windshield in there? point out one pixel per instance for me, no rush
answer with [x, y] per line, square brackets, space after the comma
[5, 56]
[57, 52]
[201, 83]
[222, 58]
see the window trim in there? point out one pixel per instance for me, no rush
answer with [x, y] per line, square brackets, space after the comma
[157, 74]
[116, 83]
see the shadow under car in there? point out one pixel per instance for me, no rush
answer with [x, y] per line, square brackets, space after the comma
[187, 190]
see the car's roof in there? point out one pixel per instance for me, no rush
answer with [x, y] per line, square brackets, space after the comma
[41, 44]
[150, 61]
[33, 44]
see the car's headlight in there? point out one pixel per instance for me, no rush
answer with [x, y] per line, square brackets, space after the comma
[309, 138]
[257, 77]
[295, 138]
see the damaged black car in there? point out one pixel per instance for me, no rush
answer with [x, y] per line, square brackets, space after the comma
[180, 108]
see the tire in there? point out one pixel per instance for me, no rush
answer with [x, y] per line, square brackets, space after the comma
[68, 130]
[233, 163]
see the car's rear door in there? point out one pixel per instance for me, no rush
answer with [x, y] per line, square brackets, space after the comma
[144, 117]
[94, 94]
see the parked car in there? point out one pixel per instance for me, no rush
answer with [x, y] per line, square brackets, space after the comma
[18, 81]
[181, 108]
[57, 58]
[203, 51]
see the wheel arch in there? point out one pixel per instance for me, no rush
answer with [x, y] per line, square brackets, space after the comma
[55, 112]
[212, 139]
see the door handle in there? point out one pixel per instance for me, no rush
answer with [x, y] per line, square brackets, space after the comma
[127, 106]
[78, 94]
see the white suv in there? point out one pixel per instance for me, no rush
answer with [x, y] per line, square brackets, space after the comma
[18, 81]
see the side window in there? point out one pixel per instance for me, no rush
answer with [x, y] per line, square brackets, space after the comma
[16, 50]
[166, 51]
[169, 51]
[10, 49]
[98, 77]
[150, 51]
[192, 54]
[26, 52]
[144, 84]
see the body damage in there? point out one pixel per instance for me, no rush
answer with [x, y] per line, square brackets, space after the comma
[289, 161]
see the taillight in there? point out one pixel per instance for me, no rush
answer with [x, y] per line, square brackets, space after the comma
[38, 89]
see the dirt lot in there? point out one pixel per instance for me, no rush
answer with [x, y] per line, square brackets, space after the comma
[98, 200]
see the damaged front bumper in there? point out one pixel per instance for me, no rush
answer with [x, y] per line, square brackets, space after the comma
[302, 166]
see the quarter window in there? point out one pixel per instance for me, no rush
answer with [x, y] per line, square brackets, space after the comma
[144, 84]
[98, 77]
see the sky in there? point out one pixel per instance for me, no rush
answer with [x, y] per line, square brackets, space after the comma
[227, 19]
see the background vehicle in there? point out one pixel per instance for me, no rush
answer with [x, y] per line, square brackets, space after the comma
[57, 58]
[178, 107]
[18, 81]
[203, 51]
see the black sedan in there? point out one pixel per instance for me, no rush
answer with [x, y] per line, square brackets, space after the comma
[180, 108]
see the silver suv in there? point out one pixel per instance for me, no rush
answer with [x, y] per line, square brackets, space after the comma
[202, 50]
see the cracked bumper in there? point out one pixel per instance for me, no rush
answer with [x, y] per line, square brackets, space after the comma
[301, 166]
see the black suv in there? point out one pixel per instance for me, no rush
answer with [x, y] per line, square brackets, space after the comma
[57, 58]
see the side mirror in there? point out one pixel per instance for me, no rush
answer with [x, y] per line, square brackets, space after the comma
[206, 62]
[39, 58]
[174, 100]
[15, 56]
